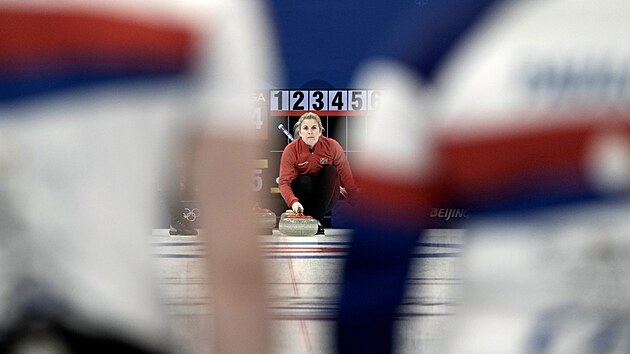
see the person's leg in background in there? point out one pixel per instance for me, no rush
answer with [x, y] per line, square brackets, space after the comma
[327, 182]
[177, 182]
[172, 193]
[304, 189]
[318, 194]
[173, 201]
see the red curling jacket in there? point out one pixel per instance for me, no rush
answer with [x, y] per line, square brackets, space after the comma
[298, 159]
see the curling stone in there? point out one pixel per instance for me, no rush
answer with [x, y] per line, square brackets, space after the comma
[298, 225]
[265, 221]
[289, 212]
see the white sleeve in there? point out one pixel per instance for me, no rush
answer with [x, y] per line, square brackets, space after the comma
[400, 130]
[241, 61]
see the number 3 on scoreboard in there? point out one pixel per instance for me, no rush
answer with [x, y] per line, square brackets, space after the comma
[318, 100]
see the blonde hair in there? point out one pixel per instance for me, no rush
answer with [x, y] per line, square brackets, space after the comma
[307, 115]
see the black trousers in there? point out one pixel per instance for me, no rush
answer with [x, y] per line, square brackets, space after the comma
[318, 194]
[177, 180]
[174, 191]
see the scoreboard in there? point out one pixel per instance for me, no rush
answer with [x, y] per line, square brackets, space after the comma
[343, 111]
[323, 102]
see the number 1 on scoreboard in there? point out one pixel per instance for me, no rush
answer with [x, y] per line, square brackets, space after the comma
[279, 100]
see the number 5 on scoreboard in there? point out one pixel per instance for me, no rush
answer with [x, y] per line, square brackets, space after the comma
[358, 100]
[257, 180]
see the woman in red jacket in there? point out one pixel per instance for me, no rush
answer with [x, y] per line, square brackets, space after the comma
[314, 170]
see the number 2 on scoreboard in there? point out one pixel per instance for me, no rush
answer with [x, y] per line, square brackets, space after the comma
[298, 101]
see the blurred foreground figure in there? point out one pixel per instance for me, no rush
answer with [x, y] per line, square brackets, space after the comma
[93, 96]
[515, 113]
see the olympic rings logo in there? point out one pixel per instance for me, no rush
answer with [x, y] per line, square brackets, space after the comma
[192, 214]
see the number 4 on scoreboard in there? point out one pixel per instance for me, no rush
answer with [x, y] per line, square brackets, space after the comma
[257, 118]
[337, 100]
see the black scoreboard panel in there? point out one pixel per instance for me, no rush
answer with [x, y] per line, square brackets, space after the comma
[343, 114]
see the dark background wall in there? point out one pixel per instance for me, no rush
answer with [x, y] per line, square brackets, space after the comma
[323, 41]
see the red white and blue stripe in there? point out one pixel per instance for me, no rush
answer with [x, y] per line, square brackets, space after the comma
[49, 51]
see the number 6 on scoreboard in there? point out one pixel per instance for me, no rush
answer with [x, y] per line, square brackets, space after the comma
[374, 98]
